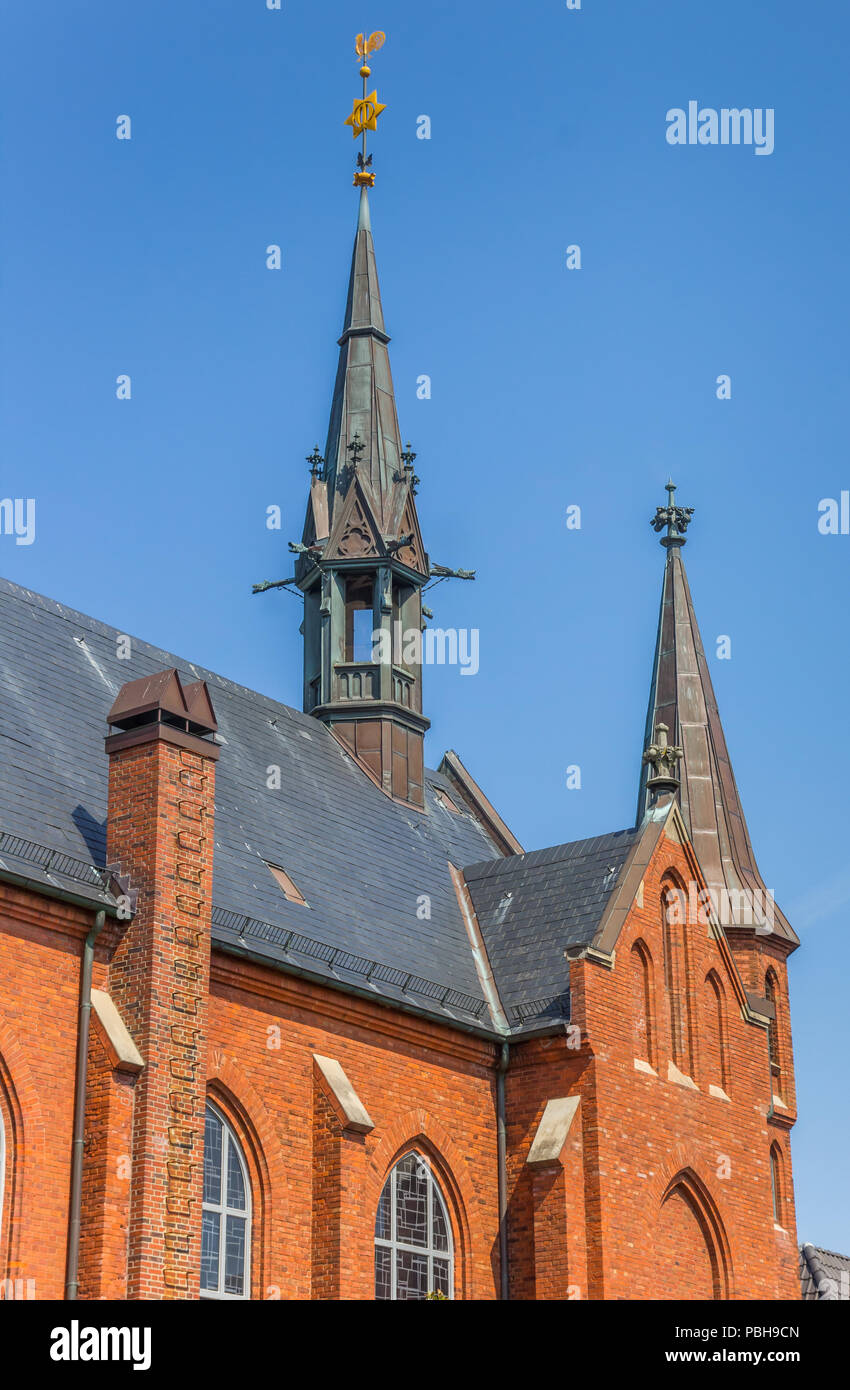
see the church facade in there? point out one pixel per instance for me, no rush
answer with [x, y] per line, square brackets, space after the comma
[285, 1014]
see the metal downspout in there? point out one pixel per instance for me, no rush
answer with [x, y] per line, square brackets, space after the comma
[72, 1280]
[502, 1147]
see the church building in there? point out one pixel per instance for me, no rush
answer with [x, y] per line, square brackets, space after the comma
[287, 1014]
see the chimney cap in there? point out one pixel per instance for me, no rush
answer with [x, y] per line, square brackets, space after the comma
[161, 698]
[199, 705]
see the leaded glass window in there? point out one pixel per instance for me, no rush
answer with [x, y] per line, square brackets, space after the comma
[226, 1216]
[413, 1242]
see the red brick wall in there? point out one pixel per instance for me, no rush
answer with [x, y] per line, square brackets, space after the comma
[661, 1190]
[41, 943]
[424, 1087]
[107, 1171]
[649, 1130]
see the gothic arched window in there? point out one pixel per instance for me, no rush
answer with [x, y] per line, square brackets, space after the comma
[776, 1183]
[716, 1054]
[226, 1231]
[413, 1235]
[642, 1003]
[771, 994]
[674, 937]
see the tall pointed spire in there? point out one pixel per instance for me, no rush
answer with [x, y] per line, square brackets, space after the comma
[364, 400]
[682, 698]
[361, 561]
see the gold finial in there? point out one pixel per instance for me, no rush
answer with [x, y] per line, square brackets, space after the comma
[366, 109]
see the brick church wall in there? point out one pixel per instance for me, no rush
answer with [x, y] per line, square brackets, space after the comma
[660, 1189]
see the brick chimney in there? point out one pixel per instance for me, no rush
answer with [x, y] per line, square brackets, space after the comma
[160, 832]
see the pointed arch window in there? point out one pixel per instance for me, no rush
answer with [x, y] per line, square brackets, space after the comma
[413, 1235]
[226, 1216]
[776, 1183]
[771, 994]
[674, 937]
[642, 1003]
[717, 1059]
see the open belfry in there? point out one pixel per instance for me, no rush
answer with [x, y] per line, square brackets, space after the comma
[334, 1034]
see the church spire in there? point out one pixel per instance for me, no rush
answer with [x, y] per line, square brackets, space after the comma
[361, 562]
[364, 401]
[682, 703]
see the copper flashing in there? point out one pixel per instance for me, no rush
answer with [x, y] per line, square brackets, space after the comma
[470, 792]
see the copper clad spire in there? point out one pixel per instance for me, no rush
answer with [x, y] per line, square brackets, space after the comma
[682, 698]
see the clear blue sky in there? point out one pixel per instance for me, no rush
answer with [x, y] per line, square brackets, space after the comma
[550, 387]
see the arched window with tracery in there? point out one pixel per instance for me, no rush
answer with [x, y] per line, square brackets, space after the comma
[413, 1235]
[226, 1216]
[642, 1003]
[771, 994]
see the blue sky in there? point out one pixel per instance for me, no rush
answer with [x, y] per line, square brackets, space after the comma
[550, 387]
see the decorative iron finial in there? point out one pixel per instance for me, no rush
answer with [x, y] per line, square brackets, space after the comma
[676, 519]
[662, 758]
[316, 462]
[407, 457]
[356, 448]
[366, 109]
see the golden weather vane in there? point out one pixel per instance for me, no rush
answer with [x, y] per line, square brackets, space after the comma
[366, 109]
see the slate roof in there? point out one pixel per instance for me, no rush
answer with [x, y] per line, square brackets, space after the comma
[361, 860]
[532, 907]
[824, 1275]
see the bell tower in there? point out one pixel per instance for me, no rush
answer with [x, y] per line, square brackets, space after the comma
[361, 562]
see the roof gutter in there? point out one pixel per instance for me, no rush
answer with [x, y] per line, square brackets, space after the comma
[475, 1030]
[48, 890]
[73, 1266]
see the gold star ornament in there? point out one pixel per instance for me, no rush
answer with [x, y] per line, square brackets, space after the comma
[365, 113]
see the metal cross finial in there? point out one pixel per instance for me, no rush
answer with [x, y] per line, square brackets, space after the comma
[676, 519]
[356, 448]
[315, 461]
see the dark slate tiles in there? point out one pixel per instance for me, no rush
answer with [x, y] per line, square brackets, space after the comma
[824, 1275]
[532, 907]
[361, 861]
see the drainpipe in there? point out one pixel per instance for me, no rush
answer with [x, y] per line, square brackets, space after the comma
[72, 1281]
[502, 1149]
